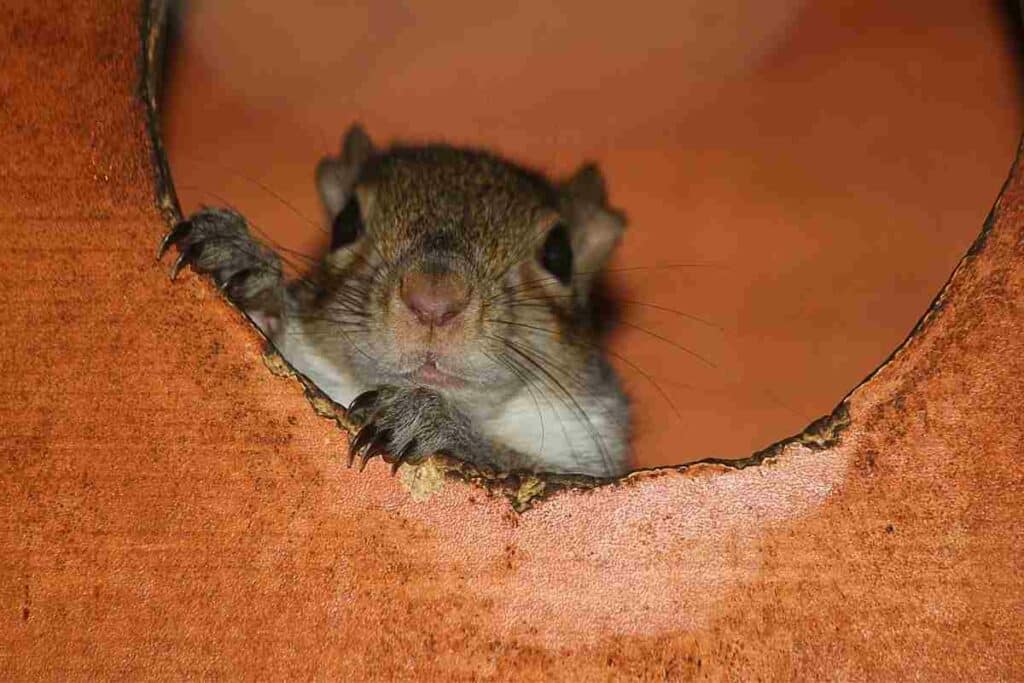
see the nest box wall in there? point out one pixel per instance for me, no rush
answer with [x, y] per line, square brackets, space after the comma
[172, 507]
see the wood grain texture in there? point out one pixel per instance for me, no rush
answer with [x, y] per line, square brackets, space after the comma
[173, 508]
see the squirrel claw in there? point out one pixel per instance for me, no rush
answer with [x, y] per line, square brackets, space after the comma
[404, 456]
[396, 460]
[234, 278]
[378, 445]
[362, 439]
[188, 255]
[176, 233]
[360, 403]
[362, 461]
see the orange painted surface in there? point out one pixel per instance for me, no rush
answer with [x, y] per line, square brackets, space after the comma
[829, 160]
[173, 509]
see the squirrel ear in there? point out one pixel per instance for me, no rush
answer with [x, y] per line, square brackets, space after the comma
[357, 146]
[336, 176]
[587, 184]
[596, 227]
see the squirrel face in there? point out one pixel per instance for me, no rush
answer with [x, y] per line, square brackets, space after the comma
[455, 269]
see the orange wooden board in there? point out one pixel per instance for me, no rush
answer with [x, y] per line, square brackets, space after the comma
[171, 507]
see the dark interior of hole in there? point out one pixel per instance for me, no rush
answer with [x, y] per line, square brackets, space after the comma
[913, 200]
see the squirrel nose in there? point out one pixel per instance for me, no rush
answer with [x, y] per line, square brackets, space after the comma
[434, 298]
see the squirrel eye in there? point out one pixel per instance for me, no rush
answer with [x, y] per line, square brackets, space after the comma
[347, 226]
[556, 254]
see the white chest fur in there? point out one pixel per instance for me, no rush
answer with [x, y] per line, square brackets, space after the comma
[292, 342]
[557, 436]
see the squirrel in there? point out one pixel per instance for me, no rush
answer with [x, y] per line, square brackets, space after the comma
[453, 312]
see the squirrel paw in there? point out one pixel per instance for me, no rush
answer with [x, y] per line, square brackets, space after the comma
[406, 424]
[218, 242]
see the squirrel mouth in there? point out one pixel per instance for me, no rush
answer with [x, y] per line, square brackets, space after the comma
[429, 373]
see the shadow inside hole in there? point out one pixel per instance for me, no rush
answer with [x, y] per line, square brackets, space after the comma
[814, 173]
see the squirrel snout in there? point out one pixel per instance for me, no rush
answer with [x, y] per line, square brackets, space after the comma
[436, 299]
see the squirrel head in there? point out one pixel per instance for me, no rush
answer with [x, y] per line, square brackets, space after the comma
[455, 268]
